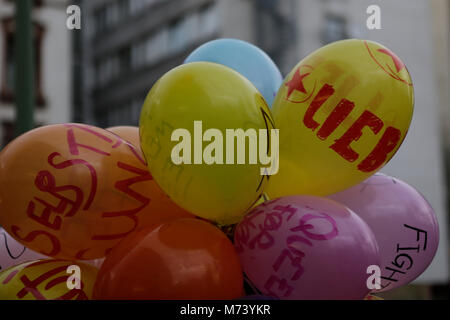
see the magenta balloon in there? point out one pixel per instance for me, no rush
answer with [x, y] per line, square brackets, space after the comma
[13, 253]
[306, 247]
[403, 222]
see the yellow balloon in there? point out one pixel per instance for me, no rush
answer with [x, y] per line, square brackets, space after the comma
[342, 112]
[194, 98]
[261, 200]
[229, 229]
[48, 280]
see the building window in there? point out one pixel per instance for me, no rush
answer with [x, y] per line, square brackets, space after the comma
[186, 30]
[9, 82]
[192, 27]
[100, 20]
[124, 9]
[108, 16]
[101, 118]
[177, 35]
[208, 20]
[112, 15]
[138, 54]
[136, 107]
[8, 70]
[107, 69]
[124, 113]
[335, 28]
[137, 5]
[7, 132]
[124, 60]
[157, 46]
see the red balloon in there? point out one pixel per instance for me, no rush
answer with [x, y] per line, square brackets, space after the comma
[180, 259]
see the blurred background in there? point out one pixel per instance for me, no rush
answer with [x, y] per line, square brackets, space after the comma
[101, 72]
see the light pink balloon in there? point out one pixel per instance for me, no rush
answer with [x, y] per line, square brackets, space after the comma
[305, 247]
[13, 253]
[403, 222]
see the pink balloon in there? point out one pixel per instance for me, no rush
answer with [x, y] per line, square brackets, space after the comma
[13, 253]
[403, 222]
[305, 247]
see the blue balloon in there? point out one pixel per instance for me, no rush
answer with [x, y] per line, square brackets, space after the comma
[245, 58]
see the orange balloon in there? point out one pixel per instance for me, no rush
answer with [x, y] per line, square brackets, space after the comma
[73, 191]
[128, 133]
[164, 209]
[180, 259]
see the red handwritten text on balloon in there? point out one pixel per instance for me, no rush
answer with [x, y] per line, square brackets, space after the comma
[66, 201]
[253, 235]
[342, 146]
[56, 276]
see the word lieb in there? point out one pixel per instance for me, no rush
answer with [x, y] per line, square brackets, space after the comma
[342, 146]
[218, 152]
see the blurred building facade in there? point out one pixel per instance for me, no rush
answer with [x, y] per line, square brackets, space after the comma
[126, 45]
[52, 57]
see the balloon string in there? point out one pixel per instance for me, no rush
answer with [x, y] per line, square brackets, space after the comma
[9, 251]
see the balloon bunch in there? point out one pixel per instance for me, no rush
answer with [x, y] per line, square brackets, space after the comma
[234, 176]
